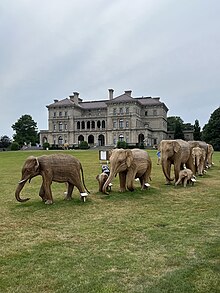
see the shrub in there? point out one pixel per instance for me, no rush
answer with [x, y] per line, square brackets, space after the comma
[83, 145]
[141, 145]
[46, 145]
[122, 144]
[15, 146]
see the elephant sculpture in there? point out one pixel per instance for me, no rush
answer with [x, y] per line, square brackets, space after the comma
[58, 168]
[129, 164]
[175, 152]
[199, 155]
[203, 145]
[185, 176]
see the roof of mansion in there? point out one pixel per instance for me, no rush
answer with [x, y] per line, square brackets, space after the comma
[124, 98]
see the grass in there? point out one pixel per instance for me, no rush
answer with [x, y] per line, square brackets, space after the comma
[165, 239]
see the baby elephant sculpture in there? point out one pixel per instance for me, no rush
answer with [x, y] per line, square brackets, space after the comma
[102, 178]
[58, 168]
[198, 156]
[185, 176]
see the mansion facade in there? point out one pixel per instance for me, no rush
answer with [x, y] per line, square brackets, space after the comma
[104, 122]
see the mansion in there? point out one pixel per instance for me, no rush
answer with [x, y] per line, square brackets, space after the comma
[104, 122]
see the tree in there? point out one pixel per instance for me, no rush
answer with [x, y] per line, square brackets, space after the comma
[211, 130]
[197, 135]
[178, 131]
[172, 121]
[5, 141]
[26, 130]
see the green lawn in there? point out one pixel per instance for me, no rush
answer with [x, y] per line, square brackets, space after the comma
[165, 239]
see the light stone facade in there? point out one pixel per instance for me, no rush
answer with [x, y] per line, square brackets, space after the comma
[104, 122]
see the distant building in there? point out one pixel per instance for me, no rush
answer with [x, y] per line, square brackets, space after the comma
[188, 133]
[104, 122]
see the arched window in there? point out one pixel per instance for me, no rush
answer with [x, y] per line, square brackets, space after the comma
[44, 139]
[60, 140]
[98, 124]
[93, 124]
[101, 140]
[60, 126]
[121, 137]
[140, 138]
[91, 139]
[83, 124]
[88, 125]
[80, 138]
[78, 125]
[103, 123]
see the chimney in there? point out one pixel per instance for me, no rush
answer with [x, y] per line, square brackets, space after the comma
[128, 93]
[75, 98]
[110, 94]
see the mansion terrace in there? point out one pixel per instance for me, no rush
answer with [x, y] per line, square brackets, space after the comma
[104, 122]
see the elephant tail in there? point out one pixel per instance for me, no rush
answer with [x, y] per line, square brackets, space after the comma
[81, 168]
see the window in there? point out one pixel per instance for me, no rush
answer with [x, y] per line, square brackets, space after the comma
[54, 114]
[78, 125]
[121, 110]
[60, 126]
[114, 111]
[121, 137]
[121, 123]
[54, 127]
[114, 124]
[65, 126]
[146, 113]
[127, 110]
[127, 124]
[65, 114]
[155, 112]
[60, 114]
[83, 124]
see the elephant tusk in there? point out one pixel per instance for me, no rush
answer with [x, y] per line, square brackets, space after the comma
[24, 180]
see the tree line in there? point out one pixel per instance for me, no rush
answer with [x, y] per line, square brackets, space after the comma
[26, 131]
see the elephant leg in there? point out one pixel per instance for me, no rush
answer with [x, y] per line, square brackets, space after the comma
[130, 180]
[48, 192]
[42, 193]
[185, 181]
[122, 179]
[69, 191]
[143, 180]
[176, 171]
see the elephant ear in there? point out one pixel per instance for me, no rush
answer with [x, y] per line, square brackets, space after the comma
[129, 157]
[36, 163]
[203, 154]
[176, 146]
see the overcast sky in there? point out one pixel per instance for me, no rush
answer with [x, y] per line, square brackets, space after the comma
[165, 48]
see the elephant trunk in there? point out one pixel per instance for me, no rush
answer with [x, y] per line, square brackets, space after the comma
[107, 182]
[18, 190]
[164, 164]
